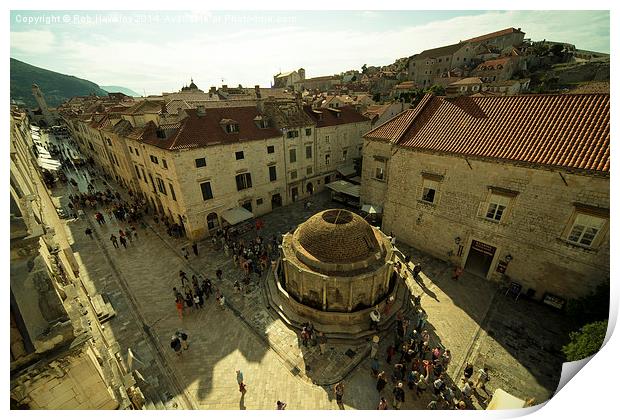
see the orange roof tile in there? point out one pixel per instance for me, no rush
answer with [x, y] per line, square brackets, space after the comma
[568, 130]
[495, 34]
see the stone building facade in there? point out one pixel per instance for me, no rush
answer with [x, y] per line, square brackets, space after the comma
[193, 164]
[56, 361]
[504, 205]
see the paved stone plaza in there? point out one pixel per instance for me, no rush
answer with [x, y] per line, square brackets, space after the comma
[469, 317]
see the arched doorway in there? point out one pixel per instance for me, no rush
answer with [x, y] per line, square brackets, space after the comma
[212, 221]
[309, 188]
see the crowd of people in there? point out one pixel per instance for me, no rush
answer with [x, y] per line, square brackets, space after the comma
[416, 367]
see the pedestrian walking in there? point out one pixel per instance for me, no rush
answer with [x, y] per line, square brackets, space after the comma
[280, 405]
[185, 253]
[89, 233]
[123, 242]
[114, 241]
[180, 304]
[383, 405]
[183, 277]
[374, 347]
[183, 337]
[339, 392]
[195, 248]
[381, 381]
[374, 367]
[242, 386]
[458, 271]
[468, 372]
[322, 340]
[483, 378]
[175, 344]
[399, 396]
[222, 302]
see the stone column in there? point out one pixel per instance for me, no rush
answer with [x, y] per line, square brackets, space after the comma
[324, 292]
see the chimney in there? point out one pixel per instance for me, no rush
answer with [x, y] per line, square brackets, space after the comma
[224, 87]
[257, 90]
[200, 111]
[213, 90]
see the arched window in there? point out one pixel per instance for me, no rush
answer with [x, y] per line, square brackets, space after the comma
[212, 221]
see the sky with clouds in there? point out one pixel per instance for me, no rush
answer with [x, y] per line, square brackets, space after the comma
[159, 51]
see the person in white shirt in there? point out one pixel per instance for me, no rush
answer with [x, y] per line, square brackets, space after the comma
[375, 317]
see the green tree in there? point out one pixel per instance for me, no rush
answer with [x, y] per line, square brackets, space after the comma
[585, 342]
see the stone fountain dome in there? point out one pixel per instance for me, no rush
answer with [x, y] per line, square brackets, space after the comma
[337, 236]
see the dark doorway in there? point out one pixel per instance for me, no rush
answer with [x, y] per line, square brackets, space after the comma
[309, 188]
[479, 258]
[247, 205]
[294, 193]
[276, 201]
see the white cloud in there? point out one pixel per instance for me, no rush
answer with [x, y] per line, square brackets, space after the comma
[37, 42]
[252, 56]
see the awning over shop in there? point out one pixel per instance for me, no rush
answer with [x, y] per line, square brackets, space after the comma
[34, 127]
[371, 209]
[344, 187]
[237, 215]
[504, 401]
[49, 164]
[346, 170]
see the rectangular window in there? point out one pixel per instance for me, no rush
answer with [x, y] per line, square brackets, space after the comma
[239, 155]
[344, 154]
[200, 162]
[293, 174]
[272, 173]
[585, 229]
[308, 131]
[380, 172]
[293, 155]
[259, 201]
[161, 187]
[292, 134]
[130, 149]
[308, 152]
[207, 194]
[309, 170]
[429, 190]
[164, 163]
[326, 139]
[232, 128]
[137, 172]
[174, 196]
[244, 181]
[497, 207]
[144, 175]
[327, 159]
[154, 159]
[137, 153]
[270, 149]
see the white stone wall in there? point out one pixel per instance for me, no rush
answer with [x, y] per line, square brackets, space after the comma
[533, 230]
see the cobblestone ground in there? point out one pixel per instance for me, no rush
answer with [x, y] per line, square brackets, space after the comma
[469, 317]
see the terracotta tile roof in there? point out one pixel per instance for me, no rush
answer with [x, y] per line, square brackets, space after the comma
[439, 52]
[495, 34]
[201, 131]
[391, 130]
[492, 64]
[331, 116]
[570, 131]
[468, 81]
